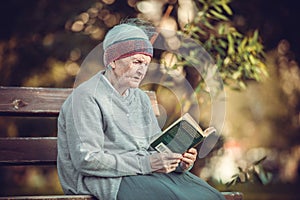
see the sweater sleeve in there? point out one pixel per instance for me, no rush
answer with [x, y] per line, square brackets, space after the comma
[85, 136]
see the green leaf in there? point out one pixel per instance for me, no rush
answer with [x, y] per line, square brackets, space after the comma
[255, 36]
[236, 75]
[264, 177]
[242, 177]
[206, 23]
[218, 15]
[230, 44]
[221, 29]
[260, 160]
[242, 85]
[243, 43]
[202, 1]
[218, 9]
[252, 59]
[227, 61]
[227, 8]
[222, 43]
[220, 50]
[202, 32]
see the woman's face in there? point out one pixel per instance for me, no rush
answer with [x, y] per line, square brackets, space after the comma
[131, 70]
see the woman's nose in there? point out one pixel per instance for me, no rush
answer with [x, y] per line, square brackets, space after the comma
[143, 67]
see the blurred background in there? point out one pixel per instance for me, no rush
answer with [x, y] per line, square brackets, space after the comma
[43, 44]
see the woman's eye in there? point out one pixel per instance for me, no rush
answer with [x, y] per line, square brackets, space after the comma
[140, 62]
[137, 62]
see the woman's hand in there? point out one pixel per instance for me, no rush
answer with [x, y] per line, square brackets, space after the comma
[165, 162]
[189, 157]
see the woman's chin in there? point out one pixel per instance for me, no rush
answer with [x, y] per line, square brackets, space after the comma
[135, 84]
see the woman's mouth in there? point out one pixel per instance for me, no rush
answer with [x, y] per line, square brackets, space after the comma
[137, 77]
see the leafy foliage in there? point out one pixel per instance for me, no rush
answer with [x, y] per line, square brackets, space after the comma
[239, 57]
[254, 172]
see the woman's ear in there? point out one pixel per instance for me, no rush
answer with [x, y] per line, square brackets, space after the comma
[112, 65]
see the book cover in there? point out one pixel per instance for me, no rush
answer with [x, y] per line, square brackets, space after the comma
[181, 135]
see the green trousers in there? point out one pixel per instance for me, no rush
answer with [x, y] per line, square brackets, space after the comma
[160, 186]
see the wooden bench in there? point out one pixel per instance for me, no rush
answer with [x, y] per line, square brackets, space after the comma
[37, 151]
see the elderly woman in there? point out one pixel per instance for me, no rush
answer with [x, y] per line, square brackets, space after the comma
[105, 127]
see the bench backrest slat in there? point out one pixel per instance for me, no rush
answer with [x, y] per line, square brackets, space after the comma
[44, 102]
[27, 101]
[28, 151]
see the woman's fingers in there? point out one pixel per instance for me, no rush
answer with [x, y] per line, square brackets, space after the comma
[191, 154]
[189, 157]
[165, 162]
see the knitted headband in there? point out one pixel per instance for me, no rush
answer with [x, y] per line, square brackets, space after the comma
[125, 40]
[127, 48]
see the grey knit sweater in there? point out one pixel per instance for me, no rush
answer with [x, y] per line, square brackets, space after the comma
[103, 136]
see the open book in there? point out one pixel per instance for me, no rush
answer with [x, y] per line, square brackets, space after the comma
[181, 135]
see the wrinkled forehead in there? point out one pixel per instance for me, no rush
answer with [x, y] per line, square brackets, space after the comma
[139, 57]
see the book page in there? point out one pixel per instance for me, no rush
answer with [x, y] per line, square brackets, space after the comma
[183, 134]
[191, 120]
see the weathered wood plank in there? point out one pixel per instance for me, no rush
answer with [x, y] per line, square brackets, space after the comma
[43, 102]
[28, 151]
[28, 101]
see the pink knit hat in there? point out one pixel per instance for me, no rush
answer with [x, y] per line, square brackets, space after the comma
[125, 40]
